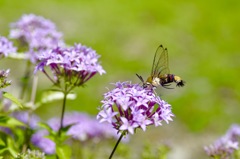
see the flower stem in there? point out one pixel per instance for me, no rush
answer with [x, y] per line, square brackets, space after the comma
[25, 79]
[63, 110]
[34, 90]
[115, 147]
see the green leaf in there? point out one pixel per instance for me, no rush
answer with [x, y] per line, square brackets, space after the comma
[12, 147]
[12, 98]
[46, 126]
[63, 152]
[2, 143]
[3, 150]
[10, 122]
[51, 96]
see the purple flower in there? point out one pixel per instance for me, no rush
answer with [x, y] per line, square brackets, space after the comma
[40, 140]
[75, 65]
[130, 106]
[234, 132]
[83, 127]
[6, 46]
[225, 146]
[37, 34]
[25, 117]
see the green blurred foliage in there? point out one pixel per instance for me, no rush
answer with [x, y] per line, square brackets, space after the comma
[202, 38]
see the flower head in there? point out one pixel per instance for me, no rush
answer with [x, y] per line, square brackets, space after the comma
[25, 117]
[130, 106]
[226, 145]
[6, 46]
[40, 140]
[35, 33]
[75, 65]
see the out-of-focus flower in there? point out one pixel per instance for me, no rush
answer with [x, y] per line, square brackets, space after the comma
[6, 46]
[3, 78]
[74, 65]
[83, 127]
[24, 116]
[45, 144]
[226, 145]
[130, 106]
[223, 147]
[6, 130]
[234, 132]
[35, 34]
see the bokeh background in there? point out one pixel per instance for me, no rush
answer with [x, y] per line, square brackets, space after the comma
[202, 37]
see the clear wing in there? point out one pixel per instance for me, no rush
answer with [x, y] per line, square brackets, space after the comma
[160, 62]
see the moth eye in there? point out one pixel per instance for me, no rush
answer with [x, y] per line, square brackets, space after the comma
[145, 85]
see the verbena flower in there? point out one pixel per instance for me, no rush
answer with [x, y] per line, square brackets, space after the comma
[74, 65]
[6, 46]
[40, 140]
[130, 106]
[3, 78]
[226, 145]
[35, 34]
[83, 127]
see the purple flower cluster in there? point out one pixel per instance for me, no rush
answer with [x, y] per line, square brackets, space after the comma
[37, 34]
[83, 127]
[225, 146]
[130, 106]
[40, 140]
[6, 46]
[6, 130]
[75, 65]
[25, 117]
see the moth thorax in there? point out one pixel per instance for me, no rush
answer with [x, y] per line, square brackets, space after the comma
[149, 80]
[156, 81]
[177, 79]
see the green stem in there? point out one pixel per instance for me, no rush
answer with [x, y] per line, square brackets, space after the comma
[63, 110]
[115, 147]
[34, 90]
[25, 79]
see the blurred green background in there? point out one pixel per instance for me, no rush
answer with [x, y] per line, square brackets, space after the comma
[203, 42]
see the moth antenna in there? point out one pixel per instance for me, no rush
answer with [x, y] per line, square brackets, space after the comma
[140, 77]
